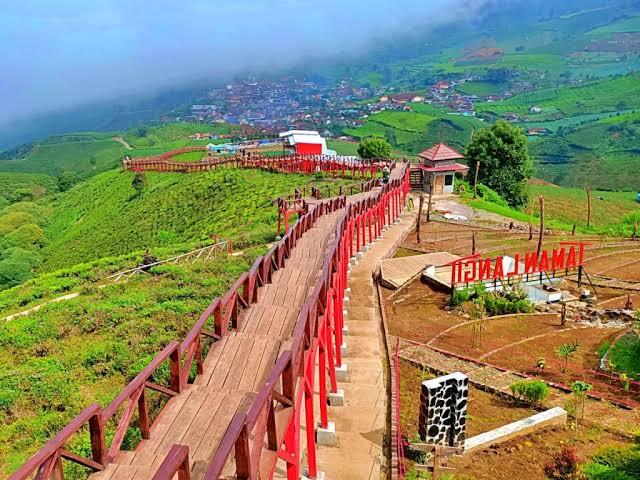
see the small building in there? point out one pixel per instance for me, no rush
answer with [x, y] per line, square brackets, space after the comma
[537, 131]
[305, 142]
[437, 169]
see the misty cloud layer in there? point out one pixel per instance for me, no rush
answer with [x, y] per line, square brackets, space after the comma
[58, 54]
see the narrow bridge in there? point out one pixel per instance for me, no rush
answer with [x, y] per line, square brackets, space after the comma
[274, 338]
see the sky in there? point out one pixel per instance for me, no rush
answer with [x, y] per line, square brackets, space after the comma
[62, 53]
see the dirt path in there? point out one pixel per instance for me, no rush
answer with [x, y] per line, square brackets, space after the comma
[122, 141]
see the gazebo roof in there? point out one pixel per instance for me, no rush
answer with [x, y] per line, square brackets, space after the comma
[440, 152]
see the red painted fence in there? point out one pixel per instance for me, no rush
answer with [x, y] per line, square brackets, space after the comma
[275, 411]
[302, 164]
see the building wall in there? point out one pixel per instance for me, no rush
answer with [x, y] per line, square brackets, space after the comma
[308, 149]
[440, 177]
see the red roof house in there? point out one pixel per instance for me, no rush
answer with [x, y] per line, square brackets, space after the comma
[438, 169]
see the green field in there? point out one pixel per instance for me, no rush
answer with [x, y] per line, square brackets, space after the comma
[480, 89]
[569, 206]
[413, 132]
[630, 24]
[343, 148]
[609, 95]
[15, 187]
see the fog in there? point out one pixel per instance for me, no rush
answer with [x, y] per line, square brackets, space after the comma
[60, 54]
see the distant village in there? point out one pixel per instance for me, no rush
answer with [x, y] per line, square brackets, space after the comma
[266, 107]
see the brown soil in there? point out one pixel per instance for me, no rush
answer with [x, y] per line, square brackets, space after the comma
[539, 181]
[524, 458]
[418, 313]
[485, 411]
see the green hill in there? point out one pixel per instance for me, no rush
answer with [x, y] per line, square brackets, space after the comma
[104, 216]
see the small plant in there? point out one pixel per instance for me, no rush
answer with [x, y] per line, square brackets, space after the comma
[563, 466]
[580, 390]
[139, 182]
[624, 380]
[565, 350]
[531, 391]
[540, 364]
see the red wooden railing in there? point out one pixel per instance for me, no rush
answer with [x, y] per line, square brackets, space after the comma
[317, 331]
[176, 461]
[301, 164]
[275, 411]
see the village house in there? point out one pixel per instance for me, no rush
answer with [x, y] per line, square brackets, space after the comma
[437, 170]
[537, 132]
[511, 117]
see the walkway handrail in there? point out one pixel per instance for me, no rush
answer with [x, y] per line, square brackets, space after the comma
[49, 458]
[176, 461]
[320, 314]
[135, 394]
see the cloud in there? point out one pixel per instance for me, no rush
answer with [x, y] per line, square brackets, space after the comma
[58, 54]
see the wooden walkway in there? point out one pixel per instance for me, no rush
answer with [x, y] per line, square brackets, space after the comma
[234, 369]
[241, 412]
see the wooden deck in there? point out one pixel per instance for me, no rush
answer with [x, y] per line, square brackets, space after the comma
[234, 369]
[395, 272]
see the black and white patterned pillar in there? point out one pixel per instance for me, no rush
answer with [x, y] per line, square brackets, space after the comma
[443, 410]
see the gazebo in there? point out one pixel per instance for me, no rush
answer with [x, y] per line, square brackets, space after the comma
[438, 169]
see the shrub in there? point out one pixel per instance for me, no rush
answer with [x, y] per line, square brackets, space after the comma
[459, 297]
[596, 471]
[563, 466]
[621, 459]
[532, 391]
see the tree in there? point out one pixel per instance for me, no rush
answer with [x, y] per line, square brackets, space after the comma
[565, 351]
[506, 165]
[139, 182]
[66, 180]
[374, 147]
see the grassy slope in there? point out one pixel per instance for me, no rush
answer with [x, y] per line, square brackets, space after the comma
[102, 217]
[68, 355]
[569, 205]
[565, 207]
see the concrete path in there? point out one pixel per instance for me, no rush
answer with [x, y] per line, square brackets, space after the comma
[360, 423]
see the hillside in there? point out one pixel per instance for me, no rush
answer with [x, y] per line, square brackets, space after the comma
[104, 216]
[55, 362]
[90, 153]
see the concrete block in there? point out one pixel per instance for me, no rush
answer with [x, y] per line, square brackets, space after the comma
[343, 350]
[341, 372]
[366, 248]
[359, 256]
[347, 292]
[319, 475]
[345, 331]
[336, 399]
[353, 261]
[327, 436]
[345, 313]
[345, 300]
[551, 417]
